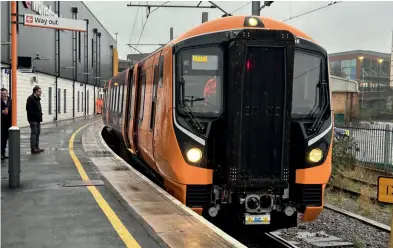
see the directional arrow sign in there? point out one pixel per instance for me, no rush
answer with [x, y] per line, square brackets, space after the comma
[54, 23]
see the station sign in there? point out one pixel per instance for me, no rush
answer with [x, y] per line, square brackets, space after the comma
[385, 189]
[39, 8]
[54, 22]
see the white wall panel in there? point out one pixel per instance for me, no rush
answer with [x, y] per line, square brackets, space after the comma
[79, 89]
[65, 84]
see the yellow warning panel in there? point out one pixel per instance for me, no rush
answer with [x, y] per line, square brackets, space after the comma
[385, 189]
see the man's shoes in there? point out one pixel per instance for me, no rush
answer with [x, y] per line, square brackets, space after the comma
[35, 151]
[40, 150]
[3, 157]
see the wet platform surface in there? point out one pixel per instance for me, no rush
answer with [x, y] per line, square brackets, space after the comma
[160, 213]
[53, 208]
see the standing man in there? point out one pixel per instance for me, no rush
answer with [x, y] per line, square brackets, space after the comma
[34, 117]
[5, 120]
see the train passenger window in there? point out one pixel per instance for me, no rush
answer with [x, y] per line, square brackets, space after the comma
[154, 97]
[306, 76]
[142, 97]
[116, 99]
[121, 98]
[161, 70]
[131, 77]
[78, 101]
[113, 98]
[199, 77]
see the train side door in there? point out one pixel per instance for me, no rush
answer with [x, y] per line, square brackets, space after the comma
[127, 106]
[132, 108]
[152, 103]
[140, 107]
[157, 82]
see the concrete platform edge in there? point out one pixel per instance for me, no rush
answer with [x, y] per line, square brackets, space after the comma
[140, 219]
[209, 225]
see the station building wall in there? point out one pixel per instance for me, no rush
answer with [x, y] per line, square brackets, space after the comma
[50, 105]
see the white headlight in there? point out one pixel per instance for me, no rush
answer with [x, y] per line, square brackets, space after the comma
[194, 155]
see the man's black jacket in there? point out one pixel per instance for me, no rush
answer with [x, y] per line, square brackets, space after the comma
[33, 108]
[6, 119]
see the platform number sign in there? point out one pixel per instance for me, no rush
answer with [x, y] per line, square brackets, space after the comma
[385, 195]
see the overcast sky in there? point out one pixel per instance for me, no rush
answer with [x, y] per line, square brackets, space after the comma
[340, 27]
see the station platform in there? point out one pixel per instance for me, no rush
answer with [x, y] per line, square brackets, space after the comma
[79, 193]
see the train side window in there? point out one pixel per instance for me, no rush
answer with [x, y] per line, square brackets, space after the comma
[113, 98]
[161, 71]
[142, 98]
[154, 96]
[116, 99]
[121, 98]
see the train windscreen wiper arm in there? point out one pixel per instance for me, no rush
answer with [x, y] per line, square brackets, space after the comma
[324, 104]
[196, 125]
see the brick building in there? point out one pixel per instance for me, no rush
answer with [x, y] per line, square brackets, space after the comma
[345, 99]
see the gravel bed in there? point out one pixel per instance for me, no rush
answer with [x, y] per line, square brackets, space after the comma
[348, 229]
[366, 209]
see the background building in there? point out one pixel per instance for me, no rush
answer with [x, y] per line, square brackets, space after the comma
[371, 70]
[71, 67]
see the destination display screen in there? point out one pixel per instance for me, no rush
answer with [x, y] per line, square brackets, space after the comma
[204, 62]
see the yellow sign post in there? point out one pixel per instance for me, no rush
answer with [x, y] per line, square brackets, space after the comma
[385, 195]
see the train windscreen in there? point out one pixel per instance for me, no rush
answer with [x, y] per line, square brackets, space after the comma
[200, 73]
[307, 74]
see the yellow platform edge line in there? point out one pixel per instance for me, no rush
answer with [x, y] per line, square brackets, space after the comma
[124, 234]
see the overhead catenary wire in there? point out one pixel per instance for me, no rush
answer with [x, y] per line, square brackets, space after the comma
[143, 28]
[308, 12]
[241, 7]
[133, 27]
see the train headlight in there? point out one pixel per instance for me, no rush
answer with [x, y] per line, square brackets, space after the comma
[252, 22]
[194, 155]
[315, 155]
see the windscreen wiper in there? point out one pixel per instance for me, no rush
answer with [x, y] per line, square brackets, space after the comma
[317, 123]
[195, 125]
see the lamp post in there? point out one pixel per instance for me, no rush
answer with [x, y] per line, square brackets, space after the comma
[379, 68]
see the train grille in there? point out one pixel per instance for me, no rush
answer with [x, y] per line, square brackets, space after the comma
[197, 195]
[310, 194]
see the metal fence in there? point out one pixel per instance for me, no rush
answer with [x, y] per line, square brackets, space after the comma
[375, 142]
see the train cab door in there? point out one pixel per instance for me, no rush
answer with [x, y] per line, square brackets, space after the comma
[132, 106]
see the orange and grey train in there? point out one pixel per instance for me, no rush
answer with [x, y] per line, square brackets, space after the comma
[234, 115]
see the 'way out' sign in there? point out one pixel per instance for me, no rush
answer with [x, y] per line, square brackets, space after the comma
[40, 21]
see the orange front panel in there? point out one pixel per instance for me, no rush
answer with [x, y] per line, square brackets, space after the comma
[169, 158]
[318, 174]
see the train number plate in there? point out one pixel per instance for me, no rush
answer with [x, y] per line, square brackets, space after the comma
[260, 219]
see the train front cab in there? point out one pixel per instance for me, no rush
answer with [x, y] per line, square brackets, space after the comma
[206, 167]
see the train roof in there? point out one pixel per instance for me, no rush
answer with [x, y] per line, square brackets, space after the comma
[237, 22]
[230, 23]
